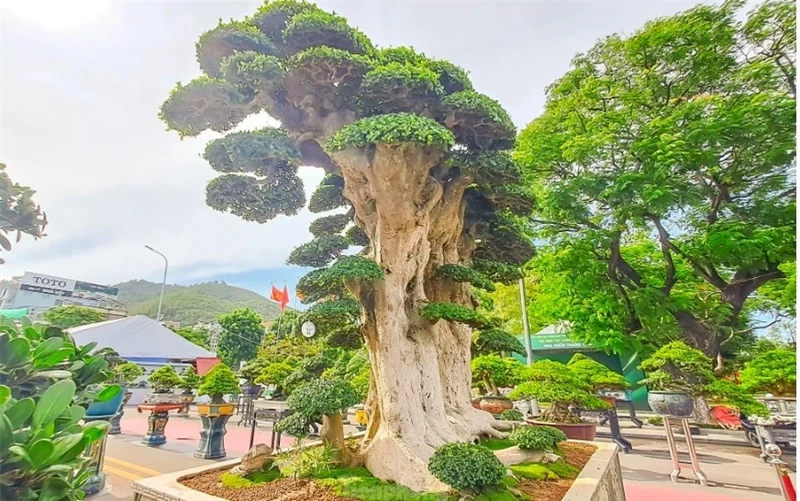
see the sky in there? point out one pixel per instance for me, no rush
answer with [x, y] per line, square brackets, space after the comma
[80, 87]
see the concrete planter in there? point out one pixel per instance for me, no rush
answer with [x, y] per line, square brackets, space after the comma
[600, 480]
[674, 404]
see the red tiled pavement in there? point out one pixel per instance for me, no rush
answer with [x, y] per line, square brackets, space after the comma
[643, 492]
[186, 430]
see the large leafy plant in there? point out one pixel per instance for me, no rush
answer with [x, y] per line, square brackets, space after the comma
[219, 381]
[554, 383]
[46, 382]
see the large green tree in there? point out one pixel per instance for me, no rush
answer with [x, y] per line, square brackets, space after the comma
[19, 214]
[682, 133]
[416, 159]
[73, 316]
[243, 332]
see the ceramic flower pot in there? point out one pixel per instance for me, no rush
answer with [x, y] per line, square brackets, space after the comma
[252, 389]
[496, 405]
[674, 404]
[215, 409]
[107, 408]
[574, 431]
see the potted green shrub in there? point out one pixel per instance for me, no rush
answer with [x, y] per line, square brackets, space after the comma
[275, 374]
[217, 383]
[490, 373]
[676, 374]
[189, 382]
[162, 382]
[125, 375]
[250, 372]
[554, 383]
[602, 379]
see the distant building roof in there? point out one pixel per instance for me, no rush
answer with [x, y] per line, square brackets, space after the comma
[139, 338]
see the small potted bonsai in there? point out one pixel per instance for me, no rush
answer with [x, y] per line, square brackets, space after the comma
[602, 379]
[251, 371]
[676, 375]
[163, 381]
[217, 383]
[490, 373]
[125, 375]
[189, 382]
[554, 383]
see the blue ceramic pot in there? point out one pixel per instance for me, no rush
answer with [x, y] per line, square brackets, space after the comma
[107, 408]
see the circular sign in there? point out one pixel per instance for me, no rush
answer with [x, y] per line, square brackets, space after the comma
[308, 329]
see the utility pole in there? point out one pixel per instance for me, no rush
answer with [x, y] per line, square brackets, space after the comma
[163, 282]
[525, 327]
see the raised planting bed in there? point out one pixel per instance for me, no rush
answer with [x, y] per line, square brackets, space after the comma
[590, 472]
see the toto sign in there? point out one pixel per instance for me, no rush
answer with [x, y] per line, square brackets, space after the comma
[47, 284]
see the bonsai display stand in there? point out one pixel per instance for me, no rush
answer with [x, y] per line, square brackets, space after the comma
[115, 428]
[272, 415]
[673, 451]
[157, 422]
[245, 408]
[97, 452]
[620, 402]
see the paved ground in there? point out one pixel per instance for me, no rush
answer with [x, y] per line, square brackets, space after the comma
[735, 472]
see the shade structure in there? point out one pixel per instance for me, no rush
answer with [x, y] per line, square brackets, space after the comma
[139, 339]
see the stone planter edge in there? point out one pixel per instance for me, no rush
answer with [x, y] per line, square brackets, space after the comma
[167, 487]
[601, 478]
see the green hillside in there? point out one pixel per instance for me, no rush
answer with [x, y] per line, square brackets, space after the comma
[192, 304]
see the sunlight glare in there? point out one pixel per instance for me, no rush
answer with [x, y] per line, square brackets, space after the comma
[56, 15]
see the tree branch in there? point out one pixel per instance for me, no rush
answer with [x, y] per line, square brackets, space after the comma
[670, 276]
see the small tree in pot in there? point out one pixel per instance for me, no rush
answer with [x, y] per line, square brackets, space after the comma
[217, 383]
[492, 372]
[676, 376]
[554, 383]
[125, 375]
[598, 376]
[163, 381]
[189, 382]
[251, 371]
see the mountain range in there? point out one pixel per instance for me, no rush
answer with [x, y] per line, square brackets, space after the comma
[192, 304]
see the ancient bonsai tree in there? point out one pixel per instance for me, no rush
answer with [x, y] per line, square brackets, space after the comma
[677, 367]
[596, 374]
[164, 379]
[494, 372]
[555, 384]
[127, 373]
[218, 382]
[189, 380]
[419, 179]
[326, 398]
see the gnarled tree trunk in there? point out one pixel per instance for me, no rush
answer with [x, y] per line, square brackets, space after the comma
[421, 370]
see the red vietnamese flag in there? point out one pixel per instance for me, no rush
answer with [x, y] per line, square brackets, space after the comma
[280, 297]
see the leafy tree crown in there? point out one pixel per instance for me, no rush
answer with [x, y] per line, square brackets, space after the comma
[322, 397]
[164, 379]
[219, 381]
[772, 372]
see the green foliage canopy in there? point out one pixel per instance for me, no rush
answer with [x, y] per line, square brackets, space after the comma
[217, 382]
[18, 212]
[772, 372]
[73, 316]
[242, 334]
[164, 379]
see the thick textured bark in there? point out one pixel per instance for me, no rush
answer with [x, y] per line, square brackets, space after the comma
[421, 371]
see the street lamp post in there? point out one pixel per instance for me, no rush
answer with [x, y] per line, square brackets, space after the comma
[526, 330]
[163, 283]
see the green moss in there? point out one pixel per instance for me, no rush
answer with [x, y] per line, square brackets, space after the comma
[228, 479]
[460, 273]
[496, 444]
[498, 493]
[395, 128]
[359, 483]
[563, 469]
[534, 471]
[315, 27]
[217, 44]
[453, 313]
